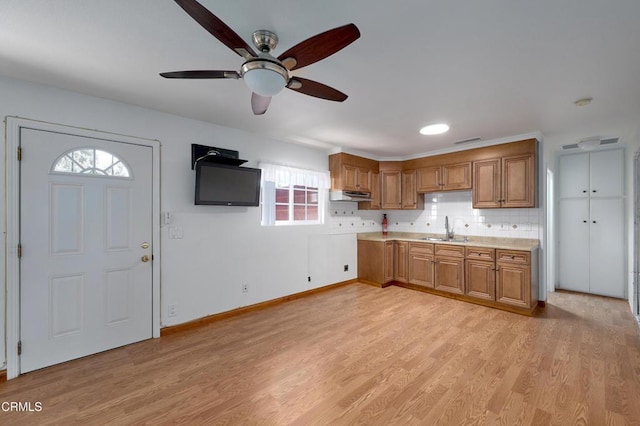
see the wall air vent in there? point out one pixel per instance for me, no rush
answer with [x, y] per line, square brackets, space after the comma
[467, 141]
[570, 146]
[608, 141]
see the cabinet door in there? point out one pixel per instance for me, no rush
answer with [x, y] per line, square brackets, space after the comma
[349, 178]
[364, 180]
[480, 279]
[391, 185]
[409, 193]
[421, 265]
[429, 179]
[573, 175]
[388, 261]
[573, 248]
[376, 202]
[449, 275]
[606, 173]
[606, 242]
[400, 261]
[513, 284]
[518, 181]
[456, 176]
[486, 184]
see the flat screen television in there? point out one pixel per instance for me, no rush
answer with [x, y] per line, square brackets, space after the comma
[225, 185]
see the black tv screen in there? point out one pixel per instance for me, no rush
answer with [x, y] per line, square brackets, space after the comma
[224, 185]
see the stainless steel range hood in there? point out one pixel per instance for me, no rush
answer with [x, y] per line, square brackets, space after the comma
[349, 196]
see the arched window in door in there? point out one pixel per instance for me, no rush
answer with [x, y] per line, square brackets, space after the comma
[91, 161]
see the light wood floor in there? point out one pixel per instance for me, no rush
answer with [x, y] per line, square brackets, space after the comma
[360, 354]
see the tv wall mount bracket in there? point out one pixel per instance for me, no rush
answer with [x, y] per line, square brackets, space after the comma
[212, 154]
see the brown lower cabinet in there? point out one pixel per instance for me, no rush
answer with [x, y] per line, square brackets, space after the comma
[513, 279]
[400, 272]
[499, 278]
[480, 273]
[421, 261]
[376, 262]
[449, 268]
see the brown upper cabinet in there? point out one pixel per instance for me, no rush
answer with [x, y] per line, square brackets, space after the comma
[356, 178]
[399, 187]
[500, 176]
[391, 188]
[351, 173]
[505, 182]
[450, 177]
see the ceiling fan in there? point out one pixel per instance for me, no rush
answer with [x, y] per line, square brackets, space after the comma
[264, 74]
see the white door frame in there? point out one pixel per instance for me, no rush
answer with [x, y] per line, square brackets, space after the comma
[13, 126]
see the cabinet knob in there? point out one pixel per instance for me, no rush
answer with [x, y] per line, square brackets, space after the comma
[593, 190]
[584, 190]
[594, 221]
[584, 221]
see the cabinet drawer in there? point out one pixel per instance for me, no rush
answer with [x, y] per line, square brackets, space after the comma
[511, 256]
[420, 248]
[449, 250]
[482, 253]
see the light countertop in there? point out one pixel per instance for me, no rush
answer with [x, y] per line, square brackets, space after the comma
[524, 244]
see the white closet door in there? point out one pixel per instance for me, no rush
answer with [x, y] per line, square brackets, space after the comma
[607, 260]
[573, 250]
[606, 173]
[574, 175]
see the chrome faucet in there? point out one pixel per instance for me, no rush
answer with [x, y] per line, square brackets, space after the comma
[448, 233]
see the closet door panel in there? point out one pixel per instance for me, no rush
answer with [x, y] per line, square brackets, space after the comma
[573, 233]
[573, 179]
[606, 173]
[607, 259]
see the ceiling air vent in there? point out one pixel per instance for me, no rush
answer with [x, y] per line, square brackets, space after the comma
[467, 141]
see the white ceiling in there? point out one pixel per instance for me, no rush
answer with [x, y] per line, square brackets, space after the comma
[491, 69]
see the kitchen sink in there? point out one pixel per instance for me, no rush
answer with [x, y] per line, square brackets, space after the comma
[451, 240]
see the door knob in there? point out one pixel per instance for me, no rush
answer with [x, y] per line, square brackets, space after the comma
[145, 258]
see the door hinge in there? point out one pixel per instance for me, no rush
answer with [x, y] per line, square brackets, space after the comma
[19, 251]
[19, 347]
[19, 153]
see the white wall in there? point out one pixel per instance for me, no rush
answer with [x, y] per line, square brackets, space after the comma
[222, 247]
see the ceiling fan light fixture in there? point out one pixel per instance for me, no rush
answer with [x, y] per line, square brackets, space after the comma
[264, 78]
[434, 129]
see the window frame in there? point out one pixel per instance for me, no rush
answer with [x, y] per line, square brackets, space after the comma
[93, 170]
[276, 177]
[291, 204]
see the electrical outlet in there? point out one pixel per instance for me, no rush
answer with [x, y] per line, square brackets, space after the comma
[346, 268]
[245, 288]
[172, 310]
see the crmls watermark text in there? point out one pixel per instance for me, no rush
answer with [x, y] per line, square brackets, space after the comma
[33, 407]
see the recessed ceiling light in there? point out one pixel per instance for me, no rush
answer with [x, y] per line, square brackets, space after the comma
[434, 129]
[583, 102]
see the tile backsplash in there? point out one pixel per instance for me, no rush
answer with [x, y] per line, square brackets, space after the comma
[344, 217]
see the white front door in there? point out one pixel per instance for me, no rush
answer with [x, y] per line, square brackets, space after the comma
[85, 234]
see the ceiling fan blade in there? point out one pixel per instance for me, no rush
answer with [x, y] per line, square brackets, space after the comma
[320, 46]
[313, 88]
[259, 104]
[201, 74]
[216, 27]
